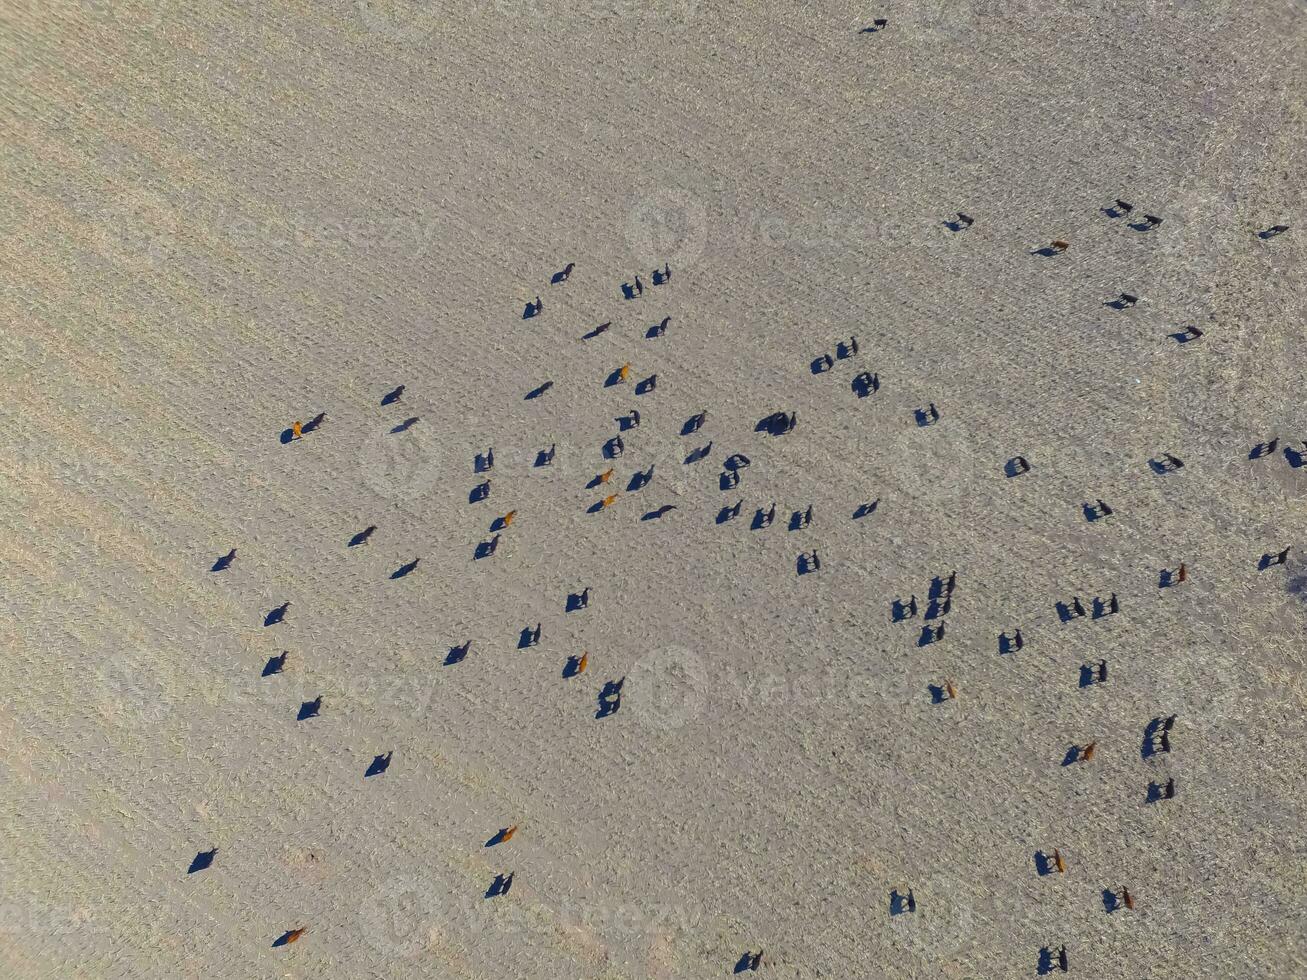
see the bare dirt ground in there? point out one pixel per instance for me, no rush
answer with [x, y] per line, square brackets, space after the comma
[224, 217]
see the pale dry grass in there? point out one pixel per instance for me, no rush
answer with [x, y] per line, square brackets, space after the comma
[226, 217]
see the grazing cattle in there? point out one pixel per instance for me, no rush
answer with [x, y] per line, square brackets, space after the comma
[736, 461]
[865, 384]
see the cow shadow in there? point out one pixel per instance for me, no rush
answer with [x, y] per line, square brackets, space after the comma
[899, 904]
[610, 698]
[405, 570]
[697, 454]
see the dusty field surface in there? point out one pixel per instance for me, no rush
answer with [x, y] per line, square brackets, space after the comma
[221, 218]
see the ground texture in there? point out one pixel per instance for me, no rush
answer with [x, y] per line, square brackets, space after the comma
[224, 217]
